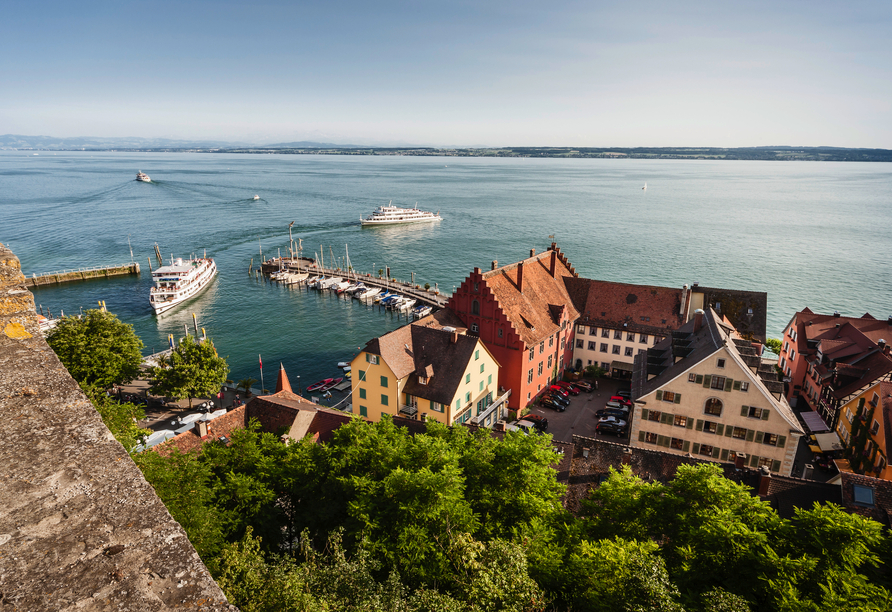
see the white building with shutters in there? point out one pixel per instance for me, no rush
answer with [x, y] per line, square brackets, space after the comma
[705, 391]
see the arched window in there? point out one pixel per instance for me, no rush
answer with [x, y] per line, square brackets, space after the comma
[475, 307]
[713, 407]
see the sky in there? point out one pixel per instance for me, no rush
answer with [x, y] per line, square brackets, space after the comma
[459, 73]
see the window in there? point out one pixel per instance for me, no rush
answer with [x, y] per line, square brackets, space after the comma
[550, 340]
[361, 393]
[720, 363]
[616, 349]
[617, 334]
[756, 413]
[849, 415]
[681, 421]
[628, 351]
[713, 407]
[630, 337]
[475, 307]
[591, 345]
[476, 354]
[706, 450]
[489, 379]
[482, 366]
[361, 376]
[540, 368]
[422, 380]
[770, 439]
[383, 381]
[677, 443]
[530, 376]
[476, 286]
[549, 361]
[457, 405]
[718, 382]
[605, 366]
[744, 386]
[500, 332]
[532, 352]
[739, 433]
[580, 343]
[604, 347]
[468, 397]
[385, 401]
[875, 428]
[863, 495]
[372, 359]
[668, 396]
[481, 385]
[710, 426]
[642, 338]
[875, 400]
[475, 328]
[542, 347]
[467, 378]
[363, 411]
[654, 415]
[692, 377]
[580, 329]
[650, 438]
[563, 343]
[437, 407]
[593, 331]
[605, 333]
[765, 462]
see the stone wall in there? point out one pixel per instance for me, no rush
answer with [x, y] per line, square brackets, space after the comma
[80, 528]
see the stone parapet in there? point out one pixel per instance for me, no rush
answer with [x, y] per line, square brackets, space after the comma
[80, 528]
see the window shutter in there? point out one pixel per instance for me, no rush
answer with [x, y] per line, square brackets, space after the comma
[728, 431]
[641, 435]
[644, 413]
[754, 460]
[686, 446]
[737, 385]
[690, 423]
[760, 435]
[724, 454]
[696, 448]
[750, 433]
[659, 396]
[765, 413]
[666, 418]
[775, 466]
[781, 441]
[699, 424]
[719, 429]
[745, 411]
[666, 441]
[706, 380]
[367, 359]
[660, 440]
[678, 398]
[699, 379]
[715, 452]
[729, 384]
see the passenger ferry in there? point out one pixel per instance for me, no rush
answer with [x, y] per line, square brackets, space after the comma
[143, 178]
[179, 281]
[390, 215]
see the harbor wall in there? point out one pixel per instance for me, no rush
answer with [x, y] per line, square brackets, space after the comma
[66, 276]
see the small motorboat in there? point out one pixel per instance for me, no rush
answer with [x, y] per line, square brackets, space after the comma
[381, 297]
[369, 293]
[256, 197]
[334, 381]
[322, 384]
[407, 303]
[343, 364]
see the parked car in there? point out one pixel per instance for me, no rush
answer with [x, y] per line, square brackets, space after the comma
[582, 386]
[622, 400]
[616, 404]
[625, 393]
[610, 428]
[617, 412]
[527, 427]
[538, 420]
[558, 398]
[547, 402]
[612, 419]
[559, 390]
[568, 388]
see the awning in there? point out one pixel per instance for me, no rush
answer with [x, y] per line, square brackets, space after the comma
[814, 422]
[409, 410]
[620, 365]
[828, 442]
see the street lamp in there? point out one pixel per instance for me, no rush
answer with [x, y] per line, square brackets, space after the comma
[298, 384]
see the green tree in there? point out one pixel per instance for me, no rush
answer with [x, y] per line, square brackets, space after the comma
[774, 345]
[246, 384]
[121, 418]
[97, 348]
[193, 369]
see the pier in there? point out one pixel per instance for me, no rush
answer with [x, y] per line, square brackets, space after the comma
[67, 276]
[305, 265]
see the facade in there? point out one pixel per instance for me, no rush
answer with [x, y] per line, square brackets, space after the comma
[705, 391]
[865, 428]
[523, 313]
[829, 359]
[427, 370]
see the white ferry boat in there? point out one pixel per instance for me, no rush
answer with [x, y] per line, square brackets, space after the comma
[390, 215]
[144, 178]
[179, 281]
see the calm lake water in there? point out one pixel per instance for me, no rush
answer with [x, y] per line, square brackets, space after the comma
[810, 234]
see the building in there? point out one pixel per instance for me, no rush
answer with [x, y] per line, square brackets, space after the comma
[428, 370]
[619, 320]
[704, 390]
[524, 315]
[829, 359]
[865, 428]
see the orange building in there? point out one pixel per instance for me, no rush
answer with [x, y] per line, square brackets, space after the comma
[524, 315]
[865, 427]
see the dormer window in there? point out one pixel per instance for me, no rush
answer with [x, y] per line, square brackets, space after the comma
[422, 380]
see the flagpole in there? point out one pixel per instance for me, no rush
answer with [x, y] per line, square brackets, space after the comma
[261, 373]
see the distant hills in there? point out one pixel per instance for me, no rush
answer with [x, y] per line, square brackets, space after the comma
[768, 153]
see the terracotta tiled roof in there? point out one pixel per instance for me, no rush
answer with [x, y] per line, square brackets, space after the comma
[881, 510]
[325, 422]
[189, 441]
[527, 290]
[395, 349]
[641, 307]
[855, 376]
[282, 383]
[279, 411]
[434, 350]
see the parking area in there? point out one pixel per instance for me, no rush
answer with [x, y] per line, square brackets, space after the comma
[580, 418]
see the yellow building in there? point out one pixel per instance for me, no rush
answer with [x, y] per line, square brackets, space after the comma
[865, 429]
[425, 370]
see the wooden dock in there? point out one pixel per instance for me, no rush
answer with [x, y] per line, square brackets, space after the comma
[67, 276]
[422, 295]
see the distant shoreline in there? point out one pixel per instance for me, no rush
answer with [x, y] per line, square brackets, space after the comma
[700, 153]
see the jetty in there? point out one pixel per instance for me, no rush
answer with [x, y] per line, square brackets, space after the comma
[67, 276]
[304, 265]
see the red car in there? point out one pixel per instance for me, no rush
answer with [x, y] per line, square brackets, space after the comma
[621, 400]
[568, 388]
[560, 391]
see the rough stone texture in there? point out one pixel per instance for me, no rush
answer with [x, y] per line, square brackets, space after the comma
[80, 528]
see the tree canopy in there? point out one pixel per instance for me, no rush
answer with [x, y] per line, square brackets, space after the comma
[193, 369]
[97, 348]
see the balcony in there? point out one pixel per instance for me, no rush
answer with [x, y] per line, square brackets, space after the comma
[496, 407]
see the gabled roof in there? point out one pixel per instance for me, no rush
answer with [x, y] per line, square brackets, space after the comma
[640, 307]
[528, 290]
[859, 373]
[434, 351]
[812, 326]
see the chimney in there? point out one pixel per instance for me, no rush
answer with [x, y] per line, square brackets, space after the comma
[520, 277]
[881, 344]
[740, 460]
[698, 320]
[495, 264]
[553, 265]
[684, 299]
[835, 313]
[889, 320]
[532, 252]
[201, 429]
[808, 471]
[499, 426]
[627, 456]
[764, 481]
[454, 337]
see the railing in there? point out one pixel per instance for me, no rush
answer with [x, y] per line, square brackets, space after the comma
[500, 401]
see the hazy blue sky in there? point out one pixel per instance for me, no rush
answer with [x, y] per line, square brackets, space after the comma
[452, 73]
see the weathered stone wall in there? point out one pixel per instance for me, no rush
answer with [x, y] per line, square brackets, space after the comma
[80, 528]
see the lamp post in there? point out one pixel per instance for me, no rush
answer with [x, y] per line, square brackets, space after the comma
[298, 384]
[291, 240]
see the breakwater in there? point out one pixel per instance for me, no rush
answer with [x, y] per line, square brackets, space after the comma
[66, 276]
